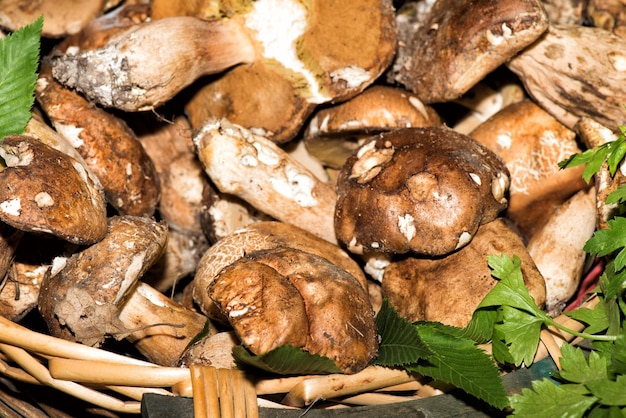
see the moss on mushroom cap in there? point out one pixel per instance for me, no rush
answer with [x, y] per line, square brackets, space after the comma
[418, 189]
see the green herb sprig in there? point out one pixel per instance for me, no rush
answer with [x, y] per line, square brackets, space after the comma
[19, 59]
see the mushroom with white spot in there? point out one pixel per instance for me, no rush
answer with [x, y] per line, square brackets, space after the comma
[459, 42]
[335, 131]
[80, 300]
[437, 289]
[46, 191]
[424, 190]
[256, 170]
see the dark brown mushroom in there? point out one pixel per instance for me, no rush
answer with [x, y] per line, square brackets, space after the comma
[459, 42]
[419, 189]
[46, 191]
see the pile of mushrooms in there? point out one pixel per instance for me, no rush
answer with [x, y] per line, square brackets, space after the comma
[275, 169]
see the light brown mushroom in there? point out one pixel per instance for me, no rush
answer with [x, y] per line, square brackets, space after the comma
[46, 191]
[80, 300]
[261, 236]
[449, 289]
[557, 248]
[276, 30]
[459, 42]
[334, 132]
[589, 61]
[61, 17]
[106, 143]
[532, 143]
[286, 296]
[418, 189]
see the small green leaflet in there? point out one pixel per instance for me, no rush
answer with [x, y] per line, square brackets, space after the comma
[547, 400]
[612, 152]
[597, 319]
[578, 369]
[285, 360]
[400, 341]
[459, 362]
[19, 58]
[610, 240]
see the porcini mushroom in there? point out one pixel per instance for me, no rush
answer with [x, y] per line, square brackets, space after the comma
[459, 42]
[532, 143]
[334, 132]
[439, 289]
[276, 30]
[418, 189]
[256, 170]
[46, 191]
[80, 300]
[285, 296]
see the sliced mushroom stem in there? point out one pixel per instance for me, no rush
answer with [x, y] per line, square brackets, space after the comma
[123, 73]
[163, 343]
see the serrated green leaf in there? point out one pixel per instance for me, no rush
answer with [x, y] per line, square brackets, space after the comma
[459, 362]
[606, 241]
[510, 290]
[596, 319]
[400, 343]
[547, 400]
[521, 333]
[576, 368]
[603, 411]
[19, 58]
[480, 327]
[618, 356]
[285, 360]
[610, 393]
[617, 150]
[617, 196]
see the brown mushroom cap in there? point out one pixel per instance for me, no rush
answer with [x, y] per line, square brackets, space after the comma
[439, 290]
[47, 191]
[418, 189]
[334, 132]
[460, 42]
[287, 296]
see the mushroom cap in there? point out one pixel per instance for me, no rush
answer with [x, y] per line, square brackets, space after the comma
[460, 42]
[46, 191]
[423, 289]
[418, 189]
[531, 142]
[333, 133]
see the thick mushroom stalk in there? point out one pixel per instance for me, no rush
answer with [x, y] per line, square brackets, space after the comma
[122, 73]
[418, 189]
[258, 171]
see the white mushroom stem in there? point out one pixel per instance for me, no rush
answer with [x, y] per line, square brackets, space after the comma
[124, 74]
[258, 171]
[162, 344]
[557, 249]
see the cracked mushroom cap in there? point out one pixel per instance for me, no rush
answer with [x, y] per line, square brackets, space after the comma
[418, 189]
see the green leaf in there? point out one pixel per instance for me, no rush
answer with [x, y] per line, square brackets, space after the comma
[286, 360]
[611, 393]
[617, 196]
[618, 355]
[459, 362]
[578, 369]
[521, 333]
[592, 158]
[603, 411]
[597, 319]
[547, 400]
[19, 58]
[510, 290]
[400, 343]
[606, 241]
[480, 327]
[617, 150]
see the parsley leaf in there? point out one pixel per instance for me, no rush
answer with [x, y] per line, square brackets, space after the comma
[19, 58]
[547, 400]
